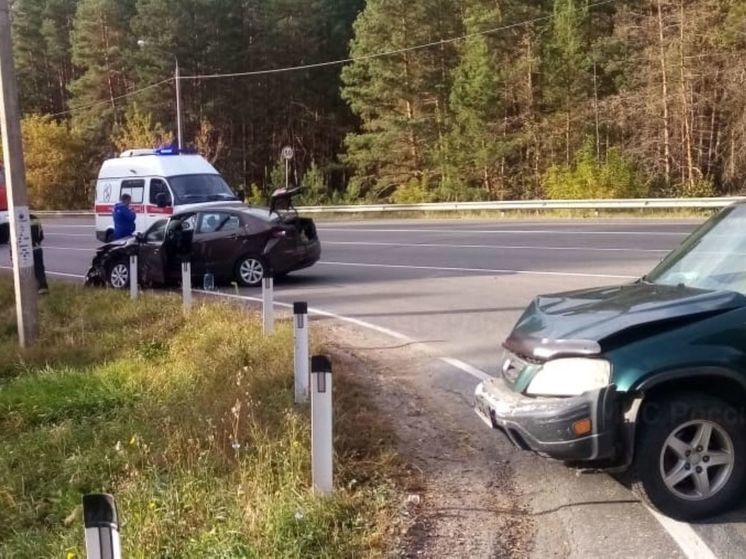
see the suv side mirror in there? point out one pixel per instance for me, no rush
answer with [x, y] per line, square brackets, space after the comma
[161, 200]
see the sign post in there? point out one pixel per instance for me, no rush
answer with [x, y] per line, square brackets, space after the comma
[287, 155]
[21, 244]
[300, 336]
[322, 448]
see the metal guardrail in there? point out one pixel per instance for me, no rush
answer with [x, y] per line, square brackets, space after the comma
[620, 204]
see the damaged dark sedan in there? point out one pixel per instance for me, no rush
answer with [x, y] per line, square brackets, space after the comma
[231, 242]
[647, 378]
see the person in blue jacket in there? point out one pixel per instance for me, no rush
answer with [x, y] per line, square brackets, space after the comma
[124, 218]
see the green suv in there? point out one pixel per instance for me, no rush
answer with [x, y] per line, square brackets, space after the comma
[648, 378]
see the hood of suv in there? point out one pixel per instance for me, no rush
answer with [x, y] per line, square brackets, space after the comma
[594, 315]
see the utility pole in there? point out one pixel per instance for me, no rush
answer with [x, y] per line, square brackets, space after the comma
[15, 178]
[177, 81]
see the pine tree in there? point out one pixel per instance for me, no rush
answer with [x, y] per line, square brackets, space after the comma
[30, 55]
[473, 103]
[566, 65]
[101, 44]
[56, 28]
[399, 98]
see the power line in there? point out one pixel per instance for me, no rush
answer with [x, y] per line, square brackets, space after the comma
[329, 62]
[385, 53]
[108, 101]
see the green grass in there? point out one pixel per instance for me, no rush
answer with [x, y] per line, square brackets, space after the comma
[190, 423]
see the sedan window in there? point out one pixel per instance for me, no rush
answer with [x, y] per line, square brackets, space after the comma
[218, 222]
[157, 233]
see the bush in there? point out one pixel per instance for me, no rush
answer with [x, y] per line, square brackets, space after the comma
[55, 159]
[589, 178]
[413, 192]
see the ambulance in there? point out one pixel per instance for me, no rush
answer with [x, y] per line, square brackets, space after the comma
[159, 182]
[4, 219]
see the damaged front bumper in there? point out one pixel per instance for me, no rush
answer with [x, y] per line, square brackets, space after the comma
[549, 426]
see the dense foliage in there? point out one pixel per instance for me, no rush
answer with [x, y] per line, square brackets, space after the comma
[647, 94]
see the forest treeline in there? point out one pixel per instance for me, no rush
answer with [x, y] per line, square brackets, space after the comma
[501, 99]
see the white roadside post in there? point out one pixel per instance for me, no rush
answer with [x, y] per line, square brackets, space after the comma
[133, 276]
[268, 313]
[300, 335]
[186, 284]
[322, 448]
[101, 527]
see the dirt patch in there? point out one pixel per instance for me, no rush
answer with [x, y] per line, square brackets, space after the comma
[460, 500]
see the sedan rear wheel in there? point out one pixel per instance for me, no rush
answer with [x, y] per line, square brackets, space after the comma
[691, 456]
[250, 271]
[119, 275]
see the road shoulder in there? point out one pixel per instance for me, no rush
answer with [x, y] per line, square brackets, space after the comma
[461, 501]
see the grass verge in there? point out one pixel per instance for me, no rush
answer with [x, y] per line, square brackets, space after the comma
[190, 423]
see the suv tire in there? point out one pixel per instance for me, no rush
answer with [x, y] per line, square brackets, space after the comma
[690, 458]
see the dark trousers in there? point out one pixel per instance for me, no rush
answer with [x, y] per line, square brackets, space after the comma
[39, 271]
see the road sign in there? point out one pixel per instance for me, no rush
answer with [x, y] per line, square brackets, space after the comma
[287, 153]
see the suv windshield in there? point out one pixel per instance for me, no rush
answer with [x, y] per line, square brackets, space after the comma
[193, 189]
[713, 257]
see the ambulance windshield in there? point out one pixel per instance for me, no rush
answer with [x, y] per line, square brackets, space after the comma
[193, 189]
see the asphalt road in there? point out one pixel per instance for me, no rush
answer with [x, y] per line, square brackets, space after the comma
[458, 287]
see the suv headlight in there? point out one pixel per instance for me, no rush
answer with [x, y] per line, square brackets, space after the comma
[570, 377]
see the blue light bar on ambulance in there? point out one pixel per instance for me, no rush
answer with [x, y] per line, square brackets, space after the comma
[173, 150]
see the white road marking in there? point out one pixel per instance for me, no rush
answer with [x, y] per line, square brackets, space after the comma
[504, 231]
[48, 225]
[500, 247]
[478, 374]
[480, 270]
[693, 546]
[61, 274]
[51, 247]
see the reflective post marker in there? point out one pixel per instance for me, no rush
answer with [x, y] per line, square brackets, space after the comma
[322, 449]
[300, 335]
[268, 315]
[101, 527]
[186, 284]
[133, 276]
